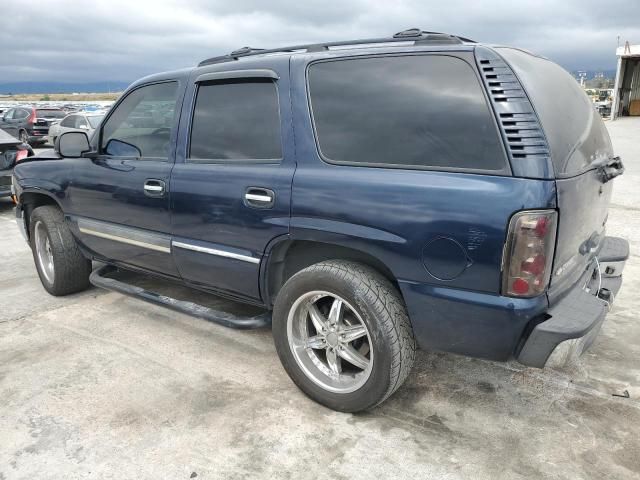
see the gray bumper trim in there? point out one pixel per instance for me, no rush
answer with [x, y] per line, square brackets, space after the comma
[573, 324]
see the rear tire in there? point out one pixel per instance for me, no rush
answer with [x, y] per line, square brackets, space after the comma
[24, 138]
[316, 348]
[61, 266]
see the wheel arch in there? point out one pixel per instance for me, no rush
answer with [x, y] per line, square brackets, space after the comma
[288, 256]
[32, 199]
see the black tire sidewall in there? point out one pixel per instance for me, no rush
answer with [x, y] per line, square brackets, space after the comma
[347, 288]
[35, 218]
[71, 267]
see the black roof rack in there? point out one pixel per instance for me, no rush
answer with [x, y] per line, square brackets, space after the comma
[418, 36]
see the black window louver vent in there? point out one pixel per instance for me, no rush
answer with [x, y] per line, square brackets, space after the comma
[517, 119]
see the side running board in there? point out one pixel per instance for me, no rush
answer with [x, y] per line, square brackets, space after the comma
[230, 320]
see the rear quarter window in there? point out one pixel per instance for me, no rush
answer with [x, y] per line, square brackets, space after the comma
[420, 111]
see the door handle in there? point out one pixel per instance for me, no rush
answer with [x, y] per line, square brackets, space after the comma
[258, 197]
[154, 188]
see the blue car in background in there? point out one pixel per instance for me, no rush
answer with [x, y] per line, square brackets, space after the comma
[371, 196]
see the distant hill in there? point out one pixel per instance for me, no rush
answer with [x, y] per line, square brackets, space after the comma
[60, 87]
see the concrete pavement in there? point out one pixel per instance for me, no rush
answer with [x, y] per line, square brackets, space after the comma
[97, 385]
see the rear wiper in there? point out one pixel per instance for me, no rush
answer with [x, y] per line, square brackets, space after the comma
[610, 168]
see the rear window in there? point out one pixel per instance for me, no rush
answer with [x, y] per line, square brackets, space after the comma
[43, 113]
[412, 111]
[575, 132]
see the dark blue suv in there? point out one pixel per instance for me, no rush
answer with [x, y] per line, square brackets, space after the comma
[370, 196]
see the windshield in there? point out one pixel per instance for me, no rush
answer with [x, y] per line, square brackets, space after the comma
[95, 120]
[42, 113]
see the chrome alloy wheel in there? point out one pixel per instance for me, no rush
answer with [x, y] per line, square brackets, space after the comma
[330, 342]
[43, 251]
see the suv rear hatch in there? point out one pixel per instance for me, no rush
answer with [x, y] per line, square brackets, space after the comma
[45, 117]
[583, 163]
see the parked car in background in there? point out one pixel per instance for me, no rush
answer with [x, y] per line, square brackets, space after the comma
[12, 151]
[30, 124]
[75, 122]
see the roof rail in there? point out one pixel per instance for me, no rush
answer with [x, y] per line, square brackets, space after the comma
[419, 37]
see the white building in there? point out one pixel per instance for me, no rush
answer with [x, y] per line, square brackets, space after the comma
[627, 86]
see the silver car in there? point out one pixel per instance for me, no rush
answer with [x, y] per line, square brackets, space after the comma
[75, 122]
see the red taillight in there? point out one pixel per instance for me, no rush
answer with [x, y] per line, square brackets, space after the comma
[21, 155]
[32, 116]
[529, 252]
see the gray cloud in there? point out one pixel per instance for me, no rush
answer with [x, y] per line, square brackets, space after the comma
[65, 40]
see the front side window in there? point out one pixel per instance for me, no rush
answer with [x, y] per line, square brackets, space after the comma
[236, 120]
[140, 126]
[413, 111]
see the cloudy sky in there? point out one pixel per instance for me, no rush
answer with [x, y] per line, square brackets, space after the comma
[121, 40]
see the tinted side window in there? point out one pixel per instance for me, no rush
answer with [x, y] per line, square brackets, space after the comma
[8, 115]
[81, 122]
[236, 120]
[69, 122]
[416, 111]
[141, 124]
[21, 113]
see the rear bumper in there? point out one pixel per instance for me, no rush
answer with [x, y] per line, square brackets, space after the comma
[572, 324]
[40, 138]
[496, 327]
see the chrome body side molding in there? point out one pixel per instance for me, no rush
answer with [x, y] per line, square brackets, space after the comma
[128, 235]
[215, 251]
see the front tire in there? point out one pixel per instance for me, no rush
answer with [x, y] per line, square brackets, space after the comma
[343, 335]
[61, 266]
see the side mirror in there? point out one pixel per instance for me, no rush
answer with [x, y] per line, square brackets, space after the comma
[72, 144]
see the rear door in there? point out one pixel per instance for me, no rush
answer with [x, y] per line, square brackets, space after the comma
[119, 200]
[230, 191]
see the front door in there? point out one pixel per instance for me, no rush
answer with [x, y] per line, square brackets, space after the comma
[119, 200]
[231, 188]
